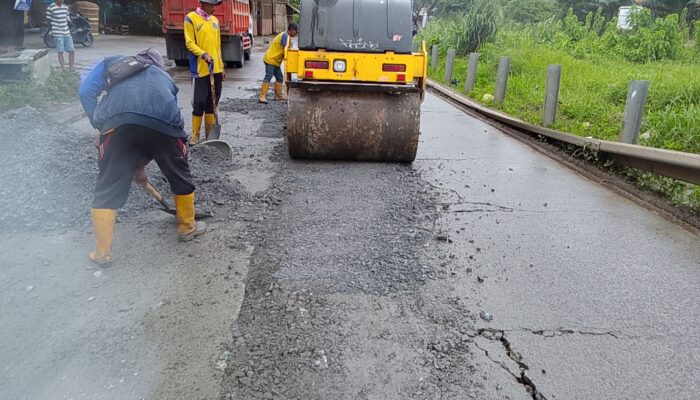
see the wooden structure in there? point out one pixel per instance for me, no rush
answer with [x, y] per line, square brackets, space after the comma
[269, 16]
[280, 17]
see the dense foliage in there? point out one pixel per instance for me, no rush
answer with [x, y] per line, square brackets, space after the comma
[467, 30]
[599, 60]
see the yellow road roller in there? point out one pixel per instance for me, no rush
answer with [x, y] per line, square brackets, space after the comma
[354, 83]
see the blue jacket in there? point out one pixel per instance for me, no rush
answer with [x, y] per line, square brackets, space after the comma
[148, 99]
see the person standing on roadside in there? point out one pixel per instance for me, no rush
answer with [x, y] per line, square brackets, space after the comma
[203, 40]
[57, 14]
[273, 62]
[139, 120]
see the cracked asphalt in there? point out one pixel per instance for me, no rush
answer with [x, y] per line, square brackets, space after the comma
[484, 270]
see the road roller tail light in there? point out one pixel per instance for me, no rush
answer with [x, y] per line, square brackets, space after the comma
[316, 65]
[394, 68]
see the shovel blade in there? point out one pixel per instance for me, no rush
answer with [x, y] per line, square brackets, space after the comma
[220, 145]
[215, 132]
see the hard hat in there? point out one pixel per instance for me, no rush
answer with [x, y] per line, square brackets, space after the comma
[214, 2]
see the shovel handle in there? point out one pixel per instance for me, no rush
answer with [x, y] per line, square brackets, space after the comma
[156, 195]
[213, 94]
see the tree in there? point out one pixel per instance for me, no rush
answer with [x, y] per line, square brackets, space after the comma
[530, 11]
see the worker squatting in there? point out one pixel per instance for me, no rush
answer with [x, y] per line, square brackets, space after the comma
[139, 121]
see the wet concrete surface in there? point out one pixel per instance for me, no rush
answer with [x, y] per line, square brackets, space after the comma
[599, 290]
[332, 280]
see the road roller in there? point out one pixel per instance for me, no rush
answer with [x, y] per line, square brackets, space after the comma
[355, 84]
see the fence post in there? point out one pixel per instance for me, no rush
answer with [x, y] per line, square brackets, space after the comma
[634, 111]
[551, 94]
[451, 53]
[502, 79]
[471, 72]
[434, 57]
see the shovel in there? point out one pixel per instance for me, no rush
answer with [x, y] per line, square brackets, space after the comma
[166, 207]
[215, 131]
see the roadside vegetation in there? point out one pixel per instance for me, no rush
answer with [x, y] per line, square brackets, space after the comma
[598, 61]
[61, 86]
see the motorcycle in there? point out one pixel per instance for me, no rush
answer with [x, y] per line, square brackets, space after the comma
[80, 31]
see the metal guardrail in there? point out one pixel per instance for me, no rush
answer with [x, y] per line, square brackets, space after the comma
[669, 163]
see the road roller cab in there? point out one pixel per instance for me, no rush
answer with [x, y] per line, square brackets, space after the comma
[355, 85]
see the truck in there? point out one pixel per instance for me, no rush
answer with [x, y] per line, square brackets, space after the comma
[234, 21]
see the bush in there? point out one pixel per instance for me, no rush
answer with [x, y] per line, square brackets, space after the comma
[465, 32]
[60, 86]
[531, 11]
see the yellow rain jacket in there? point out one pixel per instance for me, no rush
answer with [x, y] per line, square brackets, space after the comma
[203, 36]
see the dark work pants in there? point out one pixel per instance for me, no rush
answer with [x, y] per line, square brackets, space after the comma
[201, 101]
[126, 148]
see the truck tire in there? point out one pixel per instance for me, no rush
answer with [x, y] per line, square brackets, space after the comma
[233, 52]
[175, 48]
[246, 55]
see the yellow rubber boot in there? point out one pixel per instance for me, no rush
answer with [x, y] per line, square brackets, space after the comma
[209, 121]
[196, 126]
[187, 227]
[103, 227]
[263, 93]
[279, 91]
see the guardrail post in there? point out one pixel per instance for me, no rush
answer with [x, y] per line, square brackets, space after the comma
[634, 111]
[502, 80]
[451, 53]
[471, 72]
[551, 94]
[434, 57]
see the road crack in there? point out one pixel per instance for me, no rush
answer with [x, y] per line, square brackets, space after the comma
[521, 378]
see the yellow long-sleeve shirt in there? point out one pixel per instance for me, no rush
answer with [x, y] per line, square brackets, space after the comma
[203, 36]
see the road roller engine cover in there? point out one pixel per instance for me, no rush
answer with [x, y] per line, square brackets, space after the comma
[355, 85]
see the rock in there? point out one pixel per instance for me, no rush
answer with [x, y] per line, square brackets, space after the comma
[486, 316]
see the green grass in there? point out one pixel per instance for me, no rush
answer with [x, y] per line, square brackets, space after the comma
[59, 87]
[592, 97]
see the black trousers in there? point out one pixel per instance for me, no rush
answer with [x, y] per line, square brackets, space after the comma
[126, 148]
[201, 101]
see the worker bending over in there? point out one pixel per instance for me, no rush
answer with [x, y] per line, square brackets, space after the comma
[273, 61]
[203, 40]
[139, 120]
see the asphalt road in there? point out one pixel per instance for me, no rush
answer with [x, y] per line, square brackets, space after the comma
[483, 270]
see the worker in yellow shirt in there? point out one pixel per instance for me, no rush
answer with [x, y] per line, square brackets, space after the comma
[203, 40]
[273, 61]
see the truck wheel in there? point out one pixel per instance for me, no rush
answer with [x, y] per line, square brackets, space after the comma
[234, 64]
[49, 40]
[246, 55]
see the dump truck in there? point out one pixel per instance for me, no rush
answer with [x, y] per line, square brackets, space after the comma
[234, 18]
[354, 83]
